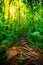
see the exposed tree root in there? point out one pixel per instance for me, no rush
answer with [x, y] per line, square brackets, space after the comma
[24, 52]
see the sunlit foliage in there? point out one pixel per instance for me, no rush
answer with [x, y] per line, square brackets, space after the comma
[19, 16]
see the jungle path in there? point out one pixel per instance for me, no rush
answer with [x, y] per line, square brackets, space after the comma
[23, 52]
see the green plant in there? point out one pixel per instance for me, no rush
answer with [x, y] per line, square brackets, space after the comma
[3, 54]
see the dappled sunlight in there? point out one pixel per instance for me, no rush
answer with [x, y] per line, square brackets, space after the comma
[12, 9]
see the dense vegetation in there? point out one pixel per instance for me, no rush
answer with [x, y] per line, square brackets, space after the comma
[27, 16]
